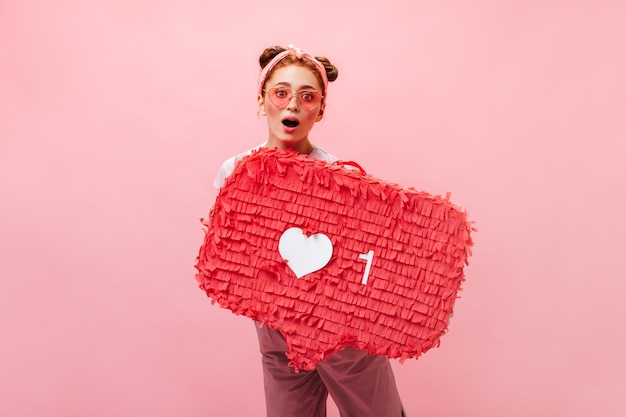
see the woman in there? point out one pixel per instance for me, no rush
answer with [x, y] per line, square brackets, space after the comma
[293, 86]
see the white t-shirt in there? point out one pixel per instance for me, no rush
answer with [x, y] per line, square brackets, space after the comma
[228, 166]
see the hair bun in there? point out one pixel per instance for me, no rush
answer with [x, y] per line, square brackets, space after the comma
[331, 71]
[268, 54]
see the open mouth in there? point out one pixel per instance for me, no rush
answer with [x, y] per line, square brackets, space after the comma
[291, 123]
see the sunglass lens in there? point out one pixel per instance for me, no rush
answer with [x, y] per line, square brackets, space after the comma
[310, 99]
[280, 97]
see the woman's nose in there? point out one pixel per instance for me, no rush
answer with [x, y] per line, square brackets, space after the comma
[293, 103]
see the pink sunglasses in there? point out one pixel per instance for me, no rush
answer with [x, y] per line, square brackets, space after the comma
[281, 97]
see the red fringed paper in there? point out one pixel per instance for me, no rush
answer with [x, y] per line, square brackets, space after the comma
[333, 257]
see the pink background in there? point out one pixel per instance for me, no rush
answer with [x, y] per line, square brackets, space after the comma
[115, 115]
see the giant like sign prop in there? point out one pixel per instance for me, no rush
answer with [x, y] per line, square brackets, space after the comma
[333, 257]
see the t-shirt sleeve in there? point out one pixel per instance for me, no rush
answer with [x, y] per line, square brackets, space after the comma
[228, 167]
[225, 170]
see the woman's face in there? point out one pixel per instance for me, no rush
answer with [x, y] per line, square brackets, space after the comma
[289, 125]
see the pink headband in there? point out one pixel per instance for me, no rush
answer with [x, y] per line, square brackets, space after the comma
[298, 53]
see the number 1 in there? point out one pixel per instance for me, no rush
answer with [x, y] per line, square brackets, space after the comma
[369, 256]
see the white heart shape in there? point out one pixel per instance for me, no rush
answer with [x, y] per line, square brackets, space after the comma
[304, 254]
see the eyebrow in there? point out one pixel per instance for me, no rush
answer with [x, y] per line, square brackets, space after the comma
[304, 87]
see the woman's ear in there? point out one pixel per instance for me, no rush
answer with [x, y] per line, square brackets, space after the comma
[320, 114]
[261, 102]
